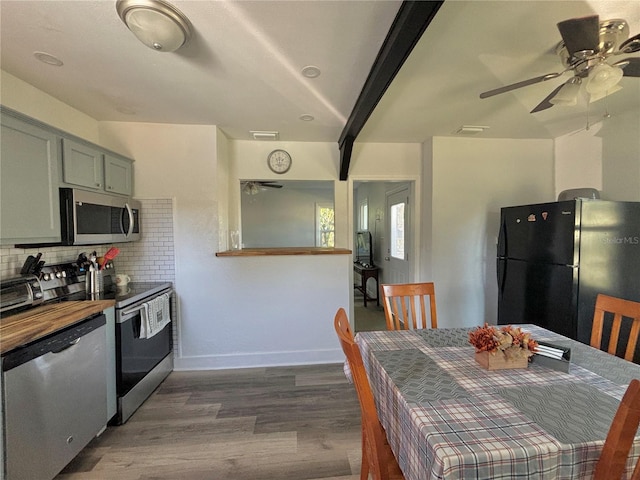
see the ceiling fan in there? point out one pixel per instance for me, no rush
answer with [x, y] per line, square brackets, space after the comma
[587, 50]
[253, 187]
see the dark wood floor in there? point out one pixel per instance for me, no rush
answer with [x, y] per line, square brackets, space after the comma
[284, 423]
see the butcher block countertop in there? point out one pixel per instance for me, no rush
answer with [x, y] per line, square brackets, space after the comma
[31, 325]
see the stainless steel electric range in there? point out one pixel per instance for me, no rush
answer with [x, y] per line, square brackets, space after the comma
[141, 364]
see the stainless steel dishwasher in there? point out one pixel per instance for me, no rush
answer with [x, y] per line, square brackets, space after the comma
[55, 399]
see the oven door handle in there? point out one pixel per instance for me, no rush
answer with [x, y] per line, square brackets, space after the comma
[133, 310]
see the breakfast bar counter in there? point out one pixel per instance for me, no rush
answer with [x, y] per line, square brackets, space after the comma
[260, 252]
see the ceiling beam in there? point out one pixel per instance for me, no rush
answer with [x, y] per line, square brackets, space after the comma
[411, 21]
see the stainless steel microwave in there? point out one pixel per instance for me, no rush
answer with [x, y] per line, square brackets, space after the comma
[89, 218]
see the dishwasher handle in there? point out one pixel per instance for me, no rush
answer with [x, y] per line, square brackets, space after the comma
[67, 346]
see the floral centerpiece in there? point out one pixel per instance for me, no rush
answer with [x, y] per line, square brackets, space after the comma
[507, 347]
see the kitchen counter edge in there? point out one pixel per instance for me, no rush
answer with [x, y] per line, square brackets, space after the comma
[32, 325]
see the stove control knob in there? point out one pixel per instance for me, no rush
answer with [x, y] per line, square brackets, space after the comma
[58, 274]
[38, 295]
[46, 277]
[64, 274]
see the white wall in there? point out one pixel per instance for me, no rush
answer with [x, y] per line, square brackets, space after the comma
[472, 180]
[621, 156]
[578, 161]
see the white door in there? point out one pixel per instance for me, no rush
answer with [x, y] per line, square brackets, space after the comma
[396, 268]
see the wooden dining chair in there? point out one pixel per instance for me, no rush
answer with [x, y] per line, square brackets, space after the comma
[613, 459]
[401, 303]
[619, 309]
[377, 456]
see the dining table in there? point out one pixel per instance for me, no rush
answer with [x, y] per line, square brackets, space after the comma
[447, 417]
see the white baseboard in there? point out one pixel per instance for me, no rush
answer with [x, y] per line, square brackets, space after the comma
[262, 359]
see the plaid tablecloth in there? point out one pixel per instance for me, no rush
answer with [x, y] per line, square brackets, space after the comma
[448, 418]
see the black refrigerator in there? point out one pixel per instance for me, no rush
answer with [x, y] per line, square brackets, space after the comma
[554, 259]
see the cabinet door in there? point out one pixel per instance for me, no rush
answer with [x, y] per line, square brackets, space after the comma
[117, 175]
[29, 200]
[82, 165]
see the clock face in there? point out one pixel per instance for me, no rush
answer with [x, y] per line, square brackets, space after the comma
[279, 161]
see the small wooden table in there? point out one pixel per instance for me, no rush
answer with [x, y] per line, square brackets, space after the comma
[365, 274]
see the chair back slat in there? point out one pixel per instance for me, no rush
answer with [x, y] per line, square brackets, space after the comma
[620, 309]
[405, 305]
[615, 451]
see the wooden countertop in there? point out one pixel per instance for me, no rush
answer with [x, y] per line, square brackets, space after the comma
[258, 252]
[31, 325]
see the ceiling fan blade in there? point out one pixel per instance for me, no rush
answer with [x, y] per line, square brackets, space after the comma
[631, 45]
[630, 67]
[270, 185]
[544, 104]
[580, 33]
[524, 83]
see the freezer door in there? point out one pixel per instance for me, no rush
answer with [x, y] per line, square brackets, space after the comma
[537, 293]
[609, 257]
[543, 233]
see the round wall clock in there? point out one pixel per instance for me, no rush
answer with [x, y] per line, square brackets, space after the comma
[279, 161]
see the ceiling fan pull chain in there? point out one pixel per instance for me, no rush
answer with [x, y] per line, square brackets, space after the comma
[588, 105]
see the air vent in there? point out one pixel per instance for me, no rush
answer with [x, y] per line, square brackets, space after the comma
[471, 129]
[259, 135]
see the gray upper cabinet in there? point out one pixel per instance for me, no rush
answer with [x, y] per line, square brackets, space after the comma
[82, 165]
[89, 167]
[29, 200]
[118, 174]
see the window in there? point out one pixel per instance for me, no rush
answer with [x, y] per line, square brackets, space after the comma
[397, 230]
[325, 225]
[364, 214]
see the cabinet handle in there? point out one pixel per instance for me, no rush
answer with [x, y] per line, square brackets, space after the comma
[110, 187]
[98, 184]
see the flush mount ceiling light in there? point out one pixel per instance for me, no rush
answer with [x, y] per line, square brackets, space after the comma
[307, 118]
[156, 23]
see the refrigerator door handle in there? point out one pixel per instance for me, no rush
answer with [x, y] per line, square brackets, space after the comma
[502, 239]
[501, 266]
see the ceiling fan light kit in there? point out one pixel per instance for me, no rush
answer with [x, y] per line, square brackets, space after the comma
[603, 77]
[156, 23]
[568, 94]
[584, 50]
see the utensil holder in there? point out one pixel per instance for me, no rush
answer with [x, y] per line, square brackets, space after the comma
[94, 282]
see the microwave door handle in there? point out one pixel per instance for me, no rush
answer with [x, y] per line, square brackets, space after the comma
[130, 230]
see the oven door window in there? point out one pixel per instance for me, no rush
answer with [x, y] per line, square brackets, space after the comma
[137, 356]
